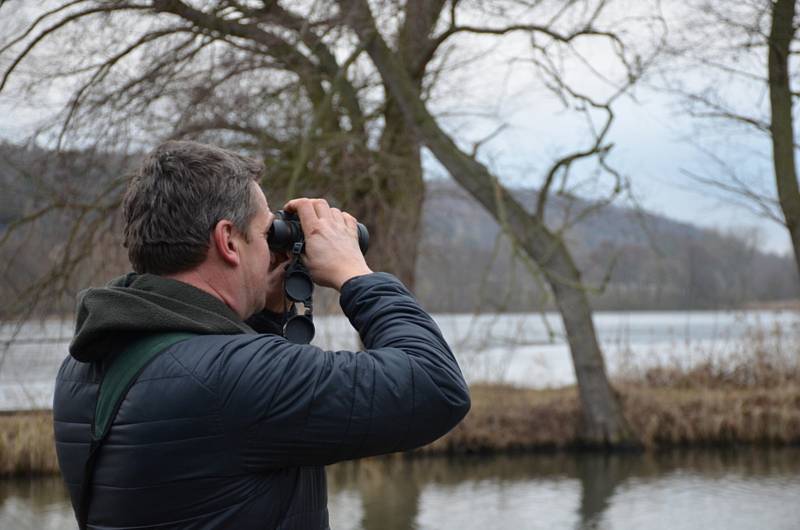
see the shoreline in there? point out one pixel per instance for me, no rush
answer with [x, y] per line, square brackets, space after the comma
[507, 419]
[775, 306]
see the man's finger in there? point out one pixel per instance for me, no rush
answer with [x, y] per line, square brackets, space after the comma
[322, 208]
[337, 216]
[350, 221]
[304, 208]
[292, 205]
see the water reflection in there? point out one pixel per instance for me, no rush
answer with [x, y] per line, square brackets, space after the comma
[710, 489]
[572, 491]
[35, 503]
[599, 477]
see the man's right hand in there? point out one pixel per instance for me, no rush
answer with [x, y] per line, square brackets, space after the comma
[332, 254]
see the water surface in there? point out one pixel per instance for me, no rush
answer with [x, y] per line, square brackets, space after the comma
[676, 490]
[522, 349]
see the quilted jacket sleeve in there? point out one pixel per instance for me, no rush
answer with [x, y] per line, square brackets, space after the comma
[296, 405]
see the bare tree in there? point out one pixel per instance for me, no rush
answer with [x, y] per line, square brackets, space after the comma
[735, 62]
[338, 102]
[603, 422]
[254, 76]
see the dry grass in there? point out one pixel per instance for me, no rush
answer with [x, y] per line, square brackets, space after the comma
[507, 419]
[698, 416]
[752, 398]
[26, 443]
[749, 397]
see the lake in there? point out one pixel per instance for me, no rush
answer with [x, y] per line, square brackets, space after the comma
[521, 349]
[675, 490]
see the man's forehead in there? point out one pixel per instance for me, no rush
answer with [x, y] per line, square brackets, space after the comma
[261, 197]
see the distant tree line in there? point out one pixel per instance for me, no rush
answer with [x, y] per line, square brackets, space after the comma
[632, 260]
[59, 228]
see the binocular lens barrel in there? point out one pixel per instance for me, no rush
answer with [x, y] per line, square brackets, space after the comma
[283, 234]
[286, 231]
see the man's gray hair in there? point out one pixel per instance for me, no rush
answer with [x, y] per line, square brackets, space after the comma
[177, 197]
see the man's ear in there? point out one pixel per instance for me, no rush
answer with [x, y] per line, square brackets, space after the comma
[225, 242]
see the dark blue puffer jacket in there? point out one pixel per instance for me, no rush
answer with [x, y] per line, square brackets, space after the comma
[231, 428]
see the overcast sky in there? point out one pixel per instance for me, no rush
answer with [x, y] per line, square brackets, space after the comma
[655, 146]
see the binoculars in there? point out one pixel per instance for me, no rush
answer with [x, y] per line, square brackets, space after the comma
[286, 235]
[286, 232]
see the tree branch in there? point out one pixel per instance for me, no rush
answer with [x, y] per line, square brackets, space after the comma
[60, 24]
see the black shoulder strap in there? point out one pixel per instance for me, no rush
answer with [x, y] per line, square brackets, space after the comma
[117, 380]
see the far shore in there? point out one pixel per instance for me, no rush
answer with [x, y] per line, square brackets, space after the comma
[665, 409]
[331, 308]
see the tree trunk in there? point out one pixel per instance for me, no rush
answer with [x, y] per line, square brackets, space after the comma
[603, 421]
[782, 126]
[395, 208]
[392, 206]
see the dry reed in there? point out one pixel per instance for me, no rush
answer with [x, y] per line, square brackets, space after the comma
[26, 443]
[751, 396]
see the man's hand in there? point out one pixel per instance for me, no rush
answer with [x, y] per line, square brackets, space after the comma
[332, 254]
[276, 297]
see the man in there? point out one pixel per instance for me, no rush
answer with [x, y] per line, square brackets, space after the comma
[231, 427]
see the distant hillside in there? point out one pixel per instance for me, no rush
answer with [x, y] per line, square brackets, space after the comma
[464, 263]
[659, 262]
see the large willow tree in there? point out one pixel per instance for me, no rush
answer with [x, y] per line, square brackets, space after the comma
[339, 99]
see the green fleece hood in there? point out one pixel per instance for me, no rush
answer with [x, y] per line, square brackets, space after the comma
[136, 304]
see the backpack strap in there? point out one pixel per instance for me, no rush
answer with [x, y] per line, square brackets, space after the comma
[114, 385]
